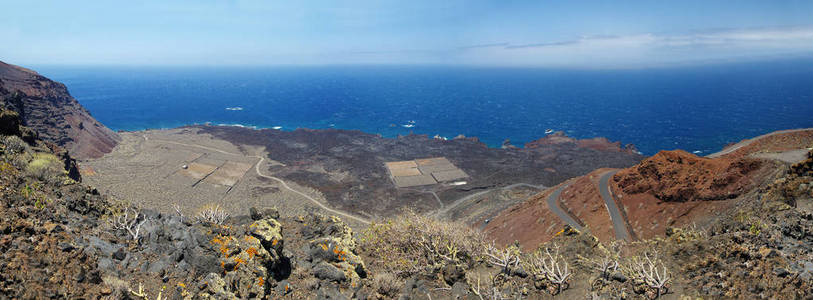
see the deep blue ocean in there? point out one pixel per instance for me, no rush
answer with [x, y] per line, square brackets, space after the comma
[690, 108]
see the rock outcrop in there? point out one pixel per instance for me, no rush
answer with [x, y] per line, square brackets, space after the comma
[46, 107]
[598, 143]
[681, 176]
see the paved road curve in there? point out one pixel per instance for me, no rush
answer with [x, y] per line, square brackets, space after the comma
[619, 224]
[445, 210]
[553, 205]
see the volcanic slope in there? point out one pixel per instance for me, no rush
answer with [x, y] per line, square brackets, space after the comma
[46, 107]
[669, 189]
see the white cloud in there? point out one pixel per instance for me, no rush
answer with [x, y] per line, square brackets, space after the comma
[650, 49]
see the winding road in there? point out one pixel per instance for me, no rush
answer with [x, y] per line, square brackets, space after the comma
[445, 210]
[619, 224]
[284, 185]
[553, 205]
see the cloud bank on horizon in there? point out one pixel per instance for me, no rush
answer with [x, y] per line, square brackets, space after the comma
[602, 34]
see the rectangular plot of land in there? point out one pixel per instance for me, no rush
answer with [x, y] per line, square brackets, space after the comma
[228, 174]
[405, 172]
[408, 181]
[401, 164]
[197, 170]
[433, 161]
[449, 175]
[428, 169]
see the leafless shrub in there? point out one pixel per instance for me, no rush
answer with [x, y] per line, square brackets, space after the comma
[606, 263]
[141, 294]
[439, 248]
[212, 214]
[128, 220]
[484, 289]
[551, 267]
[507, 258]
[652, 272]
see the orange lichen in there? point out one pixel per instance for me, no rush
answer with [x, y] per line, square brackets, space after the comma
[251, 252]
[181, 284]
[339, 253]
[238, 261]
[274, 242]
[261, 281]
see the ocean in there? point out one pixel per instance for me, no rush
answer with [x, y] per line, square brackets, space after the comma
[698, 109]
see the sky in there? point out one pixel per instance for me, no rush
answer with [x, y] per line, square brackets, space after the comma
[578, 34]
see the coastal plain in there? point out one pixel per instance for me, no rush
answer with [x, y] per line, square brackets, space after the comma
[349, 172]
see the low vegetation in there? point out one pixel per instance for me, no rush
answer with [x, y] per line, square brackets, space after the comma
[210, 213]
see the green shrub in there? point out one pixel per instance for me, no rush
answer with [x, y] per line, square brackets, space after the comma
[46, 167]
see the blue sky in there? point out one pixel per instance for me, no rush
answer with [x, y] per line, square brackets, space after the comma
[603, 34]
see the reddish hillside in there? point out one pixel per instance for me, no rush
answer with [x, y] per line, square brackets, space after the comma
[529, 223]
[671, 188]
[46, 107]
[681, 176]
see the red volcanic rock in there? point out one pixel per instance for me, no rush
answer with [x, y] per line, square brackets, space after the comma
[47, 107]
[598, 143]
[681, 176]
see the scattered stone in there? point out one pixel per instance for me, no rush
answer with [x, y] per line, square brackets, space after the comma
[120, 254]
[326, 271]
[618, 276]
[781, 272]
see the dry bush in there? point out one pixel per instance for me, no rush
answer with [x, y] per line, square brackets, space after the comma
[14, 144]
[386, 284]
[484, 287]
[605, 262]
[129, 220]
[412, 244]
[211, 213]
[552, 267]
[651, 272]
[141, 294]
[507, 259]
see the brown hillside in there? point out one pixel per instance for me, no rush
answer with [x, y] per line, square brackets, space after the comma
[529, 223]
[671, 188]
[681, 176]
[47, 107]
